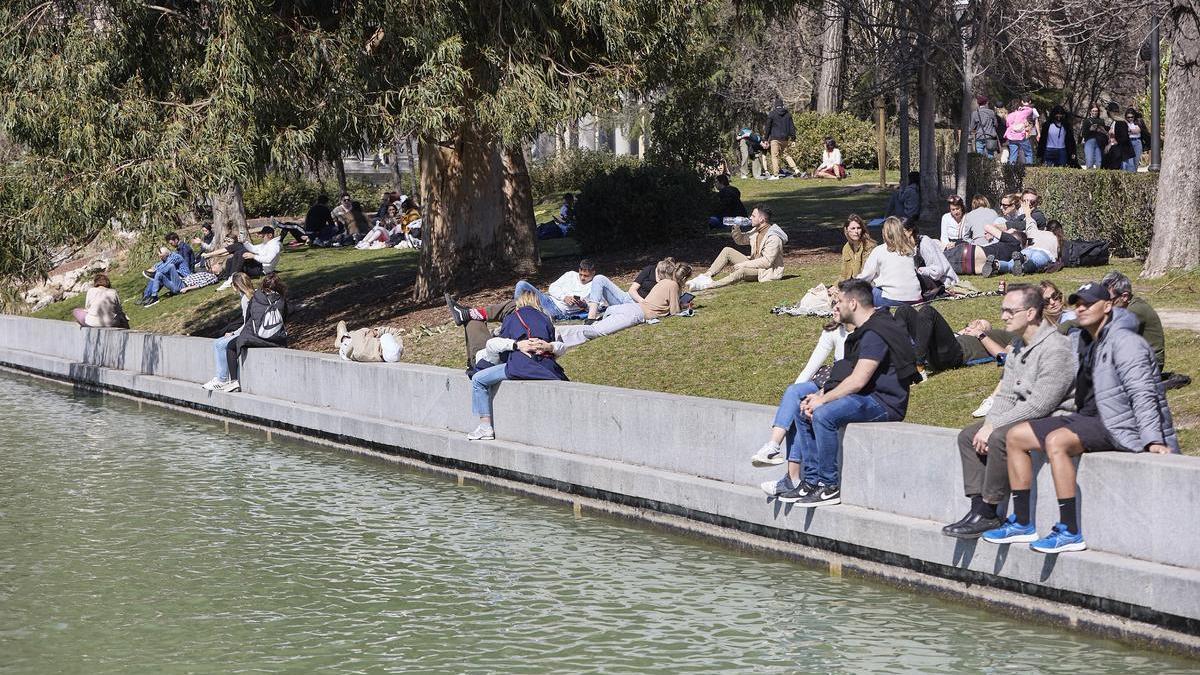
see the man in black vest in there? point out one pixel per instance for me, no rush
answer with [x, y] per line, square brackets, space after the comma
[869, 385]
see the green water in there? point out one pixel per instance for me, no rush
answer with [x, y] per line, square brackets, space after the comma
[153, 542]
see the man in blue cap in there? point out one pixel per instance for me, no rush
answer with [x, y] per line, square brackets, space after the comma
[1120, 405]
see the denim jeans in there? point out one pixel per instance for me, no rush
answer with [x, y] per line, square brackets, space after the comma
[605, 292]
[981, 148]
[1131, 164]
[881, 301]
[818, 436]
[1024, 148]
[481, 389]
[1036, 260]
[220, 345]
[164, 276]
[1055, 157]
[1093, 154]
[788, 416]
[549, 306]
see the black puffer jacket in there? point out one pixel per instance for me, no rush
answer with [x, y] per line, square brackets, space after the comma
[780, 126]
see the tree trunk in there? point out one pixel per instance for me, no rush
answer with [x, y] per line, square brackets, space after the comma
[964, 126]
[881, 139]
[829, 82]
[905, 158]
[413, 148]
[340, 168]
[931, 184]
[397, 174]
[478, 214]
[1175, 244]
[229, 212]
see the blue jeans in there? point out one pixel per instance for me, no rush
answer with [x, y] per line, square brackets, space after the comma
[788, 416]
[1036, 260]
[1131, 164]
[1093, 154]
[548, 305]
[981, 149]
[1024, 147]
[219, 347]
[605, 292]
[818, 437]
[1055, 157]
[881, 301]
[481, 389]
[164, 276]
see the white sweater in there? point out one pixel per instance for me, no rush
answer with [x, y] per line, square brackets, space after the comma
[953, 230]
[830, 341]
[893, 274]
[937, 266]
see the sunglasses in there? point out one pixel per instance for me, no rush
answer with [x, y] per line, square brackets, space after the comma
[1006, 203]
[1053, 297]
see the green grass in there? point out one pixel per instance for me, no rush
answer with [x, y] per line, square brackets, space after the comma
[732, 349]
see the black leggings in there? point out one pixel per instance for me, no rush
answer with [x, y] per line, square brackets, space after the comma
[236, 348]
[933, 339]
[239, 264]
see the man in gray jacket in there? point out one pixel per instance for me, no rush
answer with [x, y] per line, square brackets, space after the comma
[1121, 406]
[1038, 375]
[985, 128]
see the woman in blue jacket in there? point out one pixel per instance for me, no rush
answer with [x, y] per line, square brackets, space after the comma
[524, 350]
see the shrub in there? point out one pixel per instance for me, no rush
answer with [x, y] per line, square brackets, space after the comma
[855, 137]
[569, 170]
[277, 194]
[1116, 206]
[631, 206]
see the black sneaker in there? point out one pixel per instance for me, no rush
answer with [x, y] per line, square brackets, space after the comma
[825, 495]
[1018, 264]
[972, 526]
[1175, 380]
[797, 493]
[989, 266]
[150, 302]
[459, 313]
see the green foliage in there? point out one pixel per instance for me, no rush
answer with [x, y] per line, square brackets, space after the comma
[568, 170]
[277, 194]
[690, 123]
[632, 206]
[1117, 206]
[855, 137]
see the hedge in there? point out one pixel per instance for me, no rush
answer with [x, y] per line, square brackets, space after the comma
[568, 170]
[1117, 206]
[855, 137]
[282, 195]
[630, 206]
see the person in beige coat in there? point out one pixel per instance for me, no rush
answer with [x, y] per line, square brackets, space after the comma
[765, 262]
[101, 307]
[376, 345]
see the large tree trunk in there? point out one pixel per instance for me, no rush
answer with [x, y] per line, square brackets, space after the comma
[931, 184]
[229, 212]
[1175, 244]
[478, 214]
[829, 82]
[964, 125]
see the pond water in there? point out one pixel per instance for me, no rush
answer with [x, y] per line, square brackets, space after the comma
[152, 541]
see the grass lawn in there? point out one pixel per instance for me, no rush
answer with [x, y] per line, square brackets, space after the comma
[732, 349]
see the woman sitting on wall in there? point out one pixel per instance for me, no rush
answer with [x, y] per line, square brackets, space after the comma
[245, 289]
[523, 350]
[101, 306]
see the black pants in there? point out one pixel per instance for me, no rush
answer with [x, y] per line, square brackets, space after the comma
[295, 230]
[237, 263]
[933, 339]
[245, 340]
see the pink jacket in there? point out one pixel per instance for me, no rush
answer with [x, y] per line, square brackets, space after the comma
[1018, 124]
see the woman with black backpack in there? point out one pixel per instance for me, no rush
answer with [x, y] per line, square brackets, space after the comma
[264, 326]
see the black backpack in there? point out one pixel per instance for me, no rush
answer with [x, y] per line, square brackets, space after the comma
[266, 316]
[1085, 253]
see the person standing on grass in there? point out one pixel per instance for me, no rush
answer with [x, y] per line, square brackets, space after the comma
[1020, 129]
[1120, 405]
[524, 350]
[765, 263]
[780, 133]
[869, 385]
[1037, 379]
[985, 128]
[101, 306]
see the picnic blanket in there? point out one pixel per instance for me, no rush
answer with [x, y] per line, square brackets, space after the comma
[816, 302]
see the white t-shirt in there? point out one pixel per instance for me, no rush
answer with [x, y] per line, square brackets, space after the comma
[953, 230]
[830, 158]
[831, 341]
[266, 253]
[893, 274]
[568, 284]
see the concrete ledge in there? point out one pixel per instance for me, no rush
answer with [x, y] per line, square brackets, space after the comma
[681, 456]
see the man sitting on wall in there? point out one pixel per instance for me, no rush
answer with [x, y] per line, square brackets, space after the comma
[869, 385]
[1037, 378]
[1149, 325]
[1121, 406]
[765, 263]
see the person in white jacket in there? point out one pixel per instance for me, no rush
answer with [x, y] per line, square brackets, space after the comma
[891, 268]
[567, 297]
[832, 341]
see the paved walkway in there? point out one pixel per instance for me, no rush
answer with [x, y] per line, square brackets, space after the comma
[1187, 319]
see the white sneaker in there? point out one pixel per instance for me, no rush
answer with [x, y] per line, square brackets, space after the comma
[768, 455]
[482, 433]
[700, 283]
[984, 408]
[213, 384]
[225, 284]
[230, 386]
[773, 177]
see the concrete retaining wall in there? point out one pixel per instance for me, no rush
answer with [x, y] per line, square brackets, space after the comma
[683, 455]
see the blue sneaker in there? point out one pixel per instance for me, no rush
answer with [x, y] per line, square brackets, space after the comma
[1011, 532]
[1060, 540]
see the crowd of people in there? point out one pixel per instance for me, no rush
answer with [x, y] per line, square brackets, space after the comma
[1111, 138]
